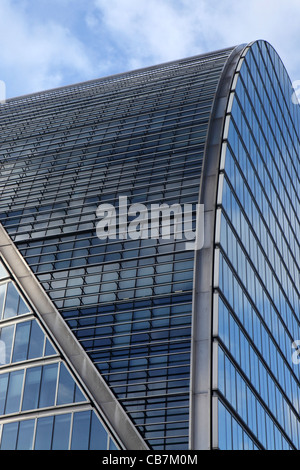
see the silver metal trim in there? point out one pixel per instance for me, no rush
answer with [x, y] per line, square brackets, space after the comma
[218, 225]
[216, 267]
[215, 421]
[215, 329]
[226, 127]
[215, 365]
[223, 155]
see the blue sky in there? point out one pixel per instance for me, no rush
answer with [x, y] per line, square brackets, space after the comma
[50, 43]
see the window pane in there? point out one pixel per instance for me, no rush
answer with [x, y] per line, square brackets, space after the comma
[98, 439]
[36, 345]
[81, 431]
[3, 272]
[65, 387]
[61, 432]
[22, 307]
[25, 436]
[222, 426]
[14, 392]
[79, 395]
[9, 436]
[31, 389]
[12, 302]
[44, 433]
[48, 386]
[3, 390]
[21, 342]
[49, 350]
[6, 338]
[2, 295]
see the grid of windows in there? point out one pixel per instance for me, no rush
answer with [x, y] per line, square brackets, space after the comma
[40, 402]
[80, 430]
[23, 341]
[231, 435]
[129, 302]
[259, 257]
[37, 387]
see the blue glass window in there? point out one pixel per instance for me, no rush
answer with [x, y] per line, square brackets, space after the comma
[36, 345]
[32, 388]
[81, 430]
[14, 304]
[98, 439]
[66, 387]
[48, 385]
[21, 342]
[6, 340]
[14, 392]
[3, 390]
[9, 436]
[61, 432]
[44, 431]
[258, 262]
[25, 435]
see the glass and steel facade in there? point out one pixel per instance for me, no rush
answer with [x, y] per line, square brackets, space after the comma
[129, 303]
[194, 345]
[257, 257]
[41, 405]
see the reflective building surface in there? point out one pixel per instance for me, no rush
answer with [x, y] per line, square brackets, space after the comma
[41, 405]
[258, 260]
[142, 342]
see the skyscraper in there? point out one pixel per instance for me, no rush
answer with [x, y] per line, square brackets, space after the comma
[138, 339]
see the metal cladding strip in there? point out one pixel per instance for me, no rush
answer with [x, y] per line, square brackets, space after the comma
[72, 352]
[201, 362]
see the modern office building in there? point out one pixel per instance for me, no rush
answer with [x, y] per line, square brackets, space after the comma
[144, 342]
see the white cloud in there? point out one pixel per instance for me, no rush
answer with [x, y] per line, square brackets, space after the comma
[45, 44]
[36, 55]
[149, 30]
[153, 31]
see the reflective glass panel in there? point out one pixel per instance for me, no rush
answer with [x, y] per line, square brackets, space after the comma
[61, 432]
[14, 391]
[25, 435]
[259, 286]
[44, 433]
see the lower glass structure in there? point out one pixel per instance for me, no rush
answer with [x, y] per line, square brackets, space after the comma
[192, 348]
[41, 405]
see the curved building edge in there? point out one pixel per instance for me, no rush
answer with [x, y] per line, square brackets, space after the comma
[203, 417]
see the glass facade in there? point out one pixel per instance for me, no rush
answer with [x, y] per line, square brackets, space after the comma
[41, 405]
[130, 303]
[259, 262]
